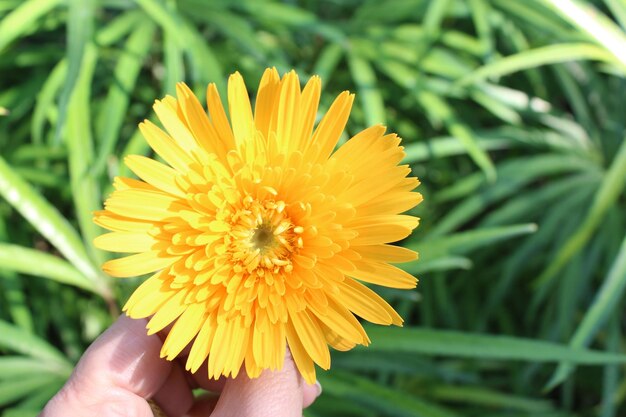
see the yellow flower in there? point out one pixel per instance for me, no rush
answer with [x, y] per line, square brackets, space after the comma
[260, 235]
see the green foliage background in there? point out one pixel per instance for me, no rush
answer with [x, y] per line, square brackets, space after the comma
[513, 115]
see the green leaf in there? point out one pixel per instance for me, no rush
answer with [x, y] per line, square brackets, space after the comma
[610, 189]
[513, 175]
[12, 367]
[37, 263]
[442, 147]
[48, 221]
[20, 20]
[441, 110]
[11, 391]
[461, 243]
[545, 55]
[327, 62]
[116, 105]
[487, 398]
[369, 94]
[603, 306]
[45, 100]
[473, 345]
[79, 33]
[602, 29]
[21, 341]
[388, 401]
[85, 187]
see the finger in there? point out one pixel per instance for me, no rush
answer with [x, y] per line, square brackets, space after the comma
[272, 394]
[118, 371]
[204, 406]
[200, 379]
[310, 393]
[175, 397]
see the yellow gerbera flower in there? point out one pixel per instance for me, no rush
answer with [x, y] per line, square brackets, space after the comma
[260, 234]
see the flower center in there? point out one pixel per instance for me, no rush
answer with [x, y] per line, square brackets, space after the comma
[263, 237]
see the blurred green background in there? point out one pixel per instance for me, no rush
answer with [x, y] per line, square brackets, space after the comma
[513, 115]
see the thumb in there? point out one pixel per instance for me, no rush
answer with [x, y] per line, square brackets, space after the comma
[280, 393]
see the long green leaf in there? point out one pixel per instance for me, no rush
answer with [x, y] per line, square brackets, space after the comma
[606, 33]
[544, 55]
[19, 21]
[391, 402]
[118, 98]
[12, 367]
[610, 189]
[441, 110]
[437, 148]
[603, 306]
[37, 263]
[23, 387]
[473, 345]
[49, 222]
[369, 94]
[79, 33]
[85, 189]
[21, 341]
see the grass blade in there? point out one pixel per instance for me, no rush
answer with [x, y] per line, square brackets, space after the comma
[79, 32]
[37, 263]
[598, 26]
[610, 189]
[545, 55]
[437, 106]
[388, 401]
[23, 387]
[50, 223]
[21, 341]
[603, 305]
[473, 345]
[19, 21]
[371, 99]
[85, 189]
[126, 72]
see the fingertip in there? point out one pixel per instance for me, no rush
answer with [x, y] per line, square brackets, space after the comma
[310, 392]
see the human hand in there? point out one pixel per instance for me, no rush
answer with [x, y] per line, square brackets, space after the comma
[121, 370]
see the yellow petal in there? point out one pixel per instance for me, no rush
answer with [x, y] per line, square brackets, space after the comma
[240, 109]
[307, 114]
[186, 328]
[383, 274]
[311, 336]
[175, 127]
[139, 264]
[142, 204]
[386, 253]
[198, 121]
[390, 203]
[379, 233]
[331, 126]
[125, 242]
[338, 323]
[365, 303]
[117, 223]
[166, 147]
[303, 361]
[155, 173]
[167, 313]
[218, 117]
[148, 297]
[267, 101]
[202, 344]
[288, 111]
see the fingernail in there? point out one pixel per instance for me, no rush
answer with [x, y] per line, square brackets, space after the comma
[319, 388]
